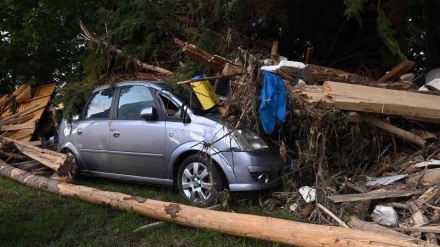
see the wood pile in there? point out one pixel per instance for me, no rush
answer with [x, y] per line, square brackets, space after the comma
[20, 115]
[21, 111]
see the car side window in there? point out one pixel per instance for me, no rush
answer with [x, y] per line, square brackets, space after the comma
[132, 100]
[100, 104]
[171, 109]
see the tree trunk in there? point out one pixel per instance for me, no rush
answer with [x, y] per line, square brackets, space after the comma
[251, 226]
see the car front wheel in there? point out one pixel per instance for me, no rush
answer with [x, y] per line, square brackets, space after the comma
[74, 172]
[199, 179]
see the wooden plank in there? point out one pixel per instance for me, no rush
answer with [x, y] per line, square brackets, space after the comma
[21, 113]
[41, 97]
[397, 71]
[18, 126]
[373, 195]
[394, 130]
[384, 101]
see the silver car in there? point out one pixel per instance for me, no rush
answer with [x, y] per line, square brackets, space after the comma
[139, 131]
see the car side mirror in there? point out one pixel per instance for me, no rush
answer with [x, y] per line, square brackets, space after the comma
[149, 113]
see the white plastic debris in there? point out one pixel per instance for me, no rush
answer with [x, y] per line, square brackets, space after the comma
[384, 180]
[308, 193]
[293, 207]
[290, 67]
[434, 83]
[385, 215]
[428, 163]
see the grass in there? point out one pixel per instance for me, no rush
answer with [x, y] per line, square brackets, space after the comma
[29, 217]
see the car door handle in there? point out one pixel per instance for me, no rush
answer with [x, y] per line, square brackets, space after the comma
[116, 134]
[79, 132]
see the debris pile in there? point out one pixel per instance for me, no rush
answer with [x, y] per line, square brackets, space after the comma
[359, 153]
[355, 148]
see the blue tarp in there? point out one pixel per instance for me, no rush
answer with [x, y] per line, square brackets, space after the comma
[273, 101]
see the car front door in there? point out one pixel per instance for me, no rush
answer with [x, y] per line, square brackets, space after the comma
[137, 145]
[92, 132]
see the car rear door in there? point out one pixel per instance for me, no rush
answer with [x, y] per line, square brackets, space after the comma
[137, 146]
[92, 132]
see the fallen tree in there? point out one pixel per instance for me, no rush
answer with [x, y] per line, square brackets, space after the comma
[252, 226]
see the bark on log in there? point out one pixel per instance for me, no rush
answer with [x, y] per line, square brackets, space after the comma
[251, 226]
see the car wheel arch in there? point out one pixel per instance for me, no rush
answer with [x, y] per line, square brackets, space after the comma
[179, 160]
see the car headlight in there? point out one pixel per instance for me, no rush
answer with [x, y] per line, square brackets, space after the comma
[249, 141]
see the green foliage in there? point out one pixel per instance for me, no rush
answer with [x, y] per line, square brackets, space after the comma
[354, 9]
[40, 42]
[387, 34]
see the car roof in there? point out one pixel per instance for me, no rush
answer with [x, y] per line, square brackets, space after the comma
[154, 84]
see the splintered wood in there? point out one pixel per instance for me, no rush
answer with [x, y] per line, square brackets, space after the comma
[21, 125]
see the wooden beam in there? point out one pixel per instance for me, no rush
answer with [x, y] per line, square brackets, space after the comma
[397, 71]
[394, 130]
[373, 195]
[18, 126]
[370, 99]
[244, 225]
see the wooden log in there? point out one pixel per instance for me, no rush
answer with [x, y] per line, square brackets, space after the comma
[373, 195]
[394, 130]
[431, 229]
[321, 74]
[397, 71]
[356, 223]
[55, 161]
[145, 65]
[251, 226]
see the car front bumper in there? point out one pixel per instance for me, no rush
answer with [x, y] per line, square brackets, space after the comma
[254, 170]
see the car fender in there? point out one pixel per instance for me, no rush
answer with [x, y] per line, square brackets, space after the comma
[71, 147]
[199, 147]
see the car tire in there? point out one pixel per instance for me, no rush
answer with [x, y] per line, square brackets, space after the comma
[74, 173]
[199, 180]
